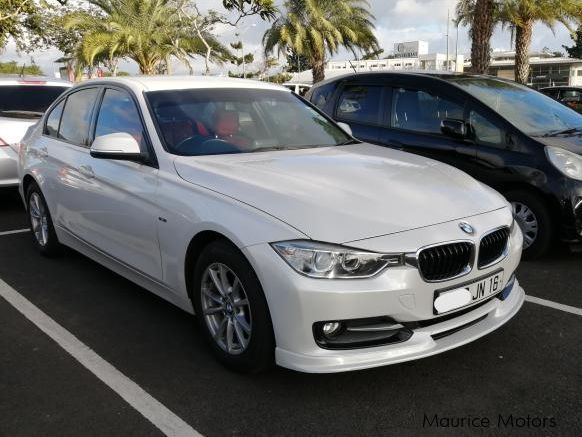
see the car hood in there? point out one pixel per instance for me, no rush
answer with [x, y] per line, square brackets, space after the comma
[573, 143]
[12, 130]
[346, 193]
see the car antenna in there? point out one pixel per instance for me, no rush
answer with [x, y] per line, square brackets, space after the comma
[353, 68]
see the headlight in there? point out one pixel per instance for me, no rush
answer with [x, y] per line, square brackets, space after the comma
[570, 164]
[320, 260]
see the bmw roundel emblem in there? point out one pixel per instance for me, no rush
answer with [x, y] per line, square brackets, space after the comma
[466, 228]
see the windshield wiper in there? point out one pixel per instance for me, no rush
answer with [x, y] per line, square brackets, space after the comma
[568, 131]
[272, 148]
[17, 112]
[350, 141]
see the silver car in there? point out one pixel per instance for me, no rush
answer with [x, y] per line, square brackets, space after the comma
[22, 103]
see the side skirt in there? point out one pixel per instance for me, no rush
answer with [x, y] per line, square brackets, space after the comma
[68, 239]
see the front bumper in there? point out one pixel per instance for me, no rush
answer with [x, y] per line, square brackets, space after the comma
[570, 198]
[488, 318]
[8, 167]
[297, 302]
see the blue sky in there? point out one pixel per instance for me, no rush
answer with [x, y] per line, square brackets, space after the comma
[399, 20]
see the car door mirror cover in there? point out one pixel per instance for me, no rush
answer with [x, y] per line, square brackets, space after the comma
[454, 128]
[118, 145]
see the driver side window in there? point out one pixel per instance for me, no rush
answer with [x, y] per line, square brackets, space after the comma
[484, 131]
[118, 113]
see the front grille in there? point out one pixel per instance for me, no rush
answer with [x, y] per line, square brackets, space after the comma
[493, 247]
[439, 263]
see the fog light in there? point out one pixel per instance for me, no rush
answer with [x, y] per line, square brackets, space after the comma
[331, 328]
[359, 333]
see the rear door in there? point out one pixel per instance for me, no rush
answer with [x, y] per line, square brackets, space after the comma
[412, 122]
[359, 104]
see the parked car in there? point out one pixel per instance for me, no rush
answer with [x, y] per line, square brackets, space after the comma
[291, 240]
[298, 88]
[569, 96]
[512, 138]
[22, 103]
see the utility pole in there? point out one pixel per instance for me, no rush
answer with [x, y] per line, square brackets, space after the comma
[457, 48]
[448, 28]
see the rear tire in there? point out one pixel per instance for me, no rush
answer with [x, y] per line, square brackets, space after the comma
[231, 309]
[44, 236]
[534, 219]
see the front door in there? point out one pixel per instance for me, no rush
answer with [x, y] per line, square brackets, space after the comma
[111, 204]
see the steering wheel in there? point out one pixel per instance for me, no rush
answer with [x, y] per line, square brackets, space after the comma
[193, 141]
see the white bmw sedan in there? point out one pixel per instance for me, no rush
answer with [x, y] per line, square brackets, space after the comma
[291, 241]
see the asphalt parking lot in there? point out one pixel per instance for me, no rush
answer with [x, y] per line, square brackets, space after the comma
[528, 370]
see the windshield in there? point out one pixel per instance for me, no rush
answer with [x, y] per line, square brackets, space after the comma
[533, 113]
[217, 121]
[27, 100]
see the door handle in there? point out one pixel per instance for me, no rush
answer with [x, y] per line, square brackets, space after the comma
[43, 152]
[86, 171]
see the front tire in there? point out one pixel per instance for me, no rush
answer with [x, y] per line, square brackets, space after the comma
[534, 219]
[231, 309]
[44, 236]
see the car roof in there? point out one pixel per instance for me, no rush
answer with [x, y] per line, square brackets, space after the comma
[6, 80]
[442, 76]
[561, 87]
[159, 83]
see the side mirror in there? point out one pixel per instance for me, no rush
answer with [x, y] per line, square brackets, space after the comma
[454, 128]
[345, 127]
[119, 145]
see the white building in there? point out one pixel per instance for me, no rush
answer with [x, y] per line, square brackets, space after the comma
[412, 55]
[546, 69]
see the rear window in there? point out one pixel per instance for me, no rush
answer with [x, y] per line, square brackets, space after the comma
[359, 103]
[27, 100]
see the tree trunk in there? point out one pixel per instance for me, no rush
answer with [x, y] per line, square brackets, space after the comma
[318, 70]
[523, 36]
[481, 32]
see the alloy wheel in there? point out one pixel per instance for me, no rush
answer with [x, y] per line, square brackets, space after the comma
[38, 218]
[527, 221]
[226, 308]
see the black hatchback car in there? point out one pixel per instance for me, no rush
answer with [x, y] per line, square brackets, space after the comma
[514, 139]
[569, 96]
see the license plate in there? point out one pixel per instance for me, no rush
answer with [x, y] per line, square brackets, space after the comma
[468, 294]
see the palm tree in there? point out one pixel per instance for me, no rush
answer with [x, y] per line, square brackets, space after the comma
[317, 28]
[150, 32]
[481, 17]
[522, 15]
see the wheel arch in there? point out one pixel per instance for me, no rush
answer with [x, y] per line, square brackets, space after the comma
[548, 200]
[27, 181]
[195, 247]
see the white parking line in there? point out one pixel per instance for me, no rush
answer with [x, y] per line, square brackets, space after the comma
[555, 305]
[133, 394]
[17, 231]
